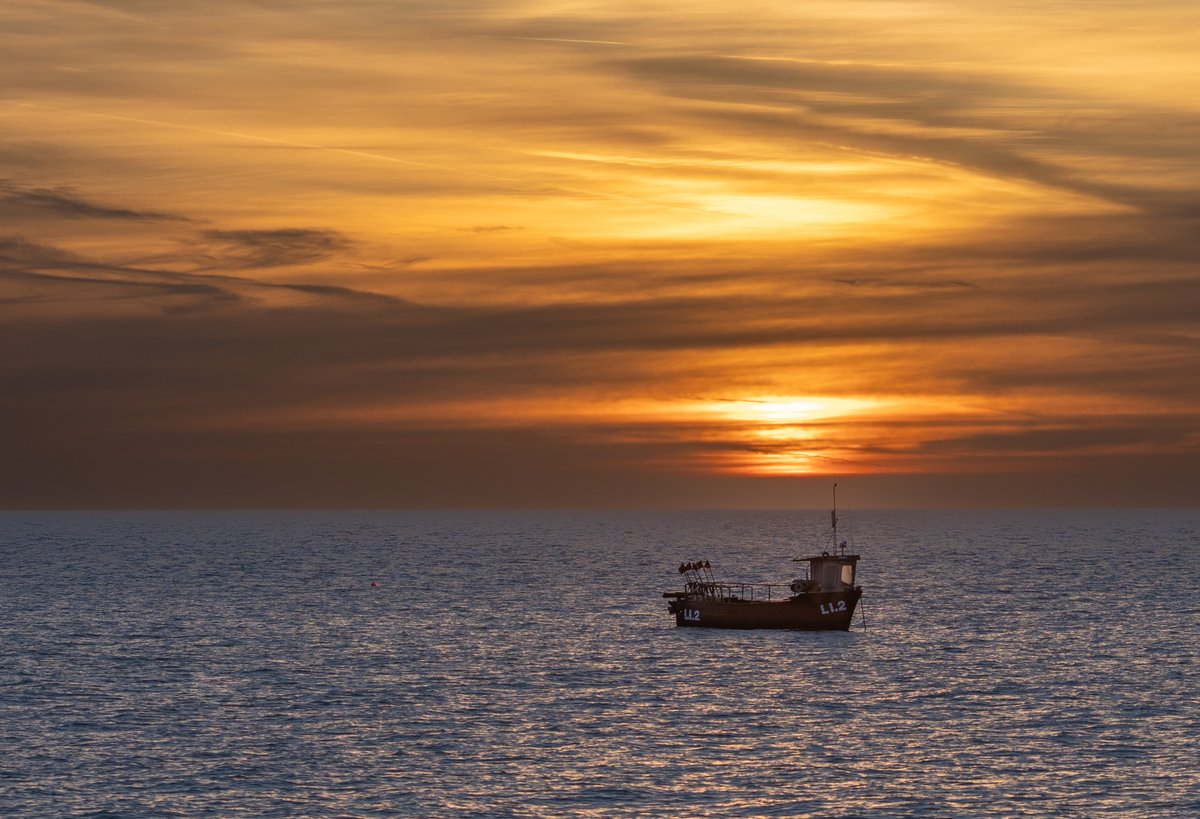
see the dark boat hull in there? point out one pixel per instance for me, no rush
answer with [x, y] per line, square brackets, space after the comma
[814, 611]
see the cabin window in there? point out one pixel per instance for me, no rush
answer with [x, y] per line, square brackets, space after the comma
[848, 574]
[830, 579]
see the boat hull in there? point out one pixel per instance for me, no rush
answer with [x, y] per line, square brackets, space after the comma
[814, 611]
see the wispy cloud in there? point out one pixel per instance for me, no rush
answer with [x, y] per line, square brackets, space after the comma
[66, 202]
[70, 279]
[271, 248]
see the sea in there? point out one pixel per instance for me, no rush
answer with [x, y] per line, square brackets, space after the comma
[523, 664]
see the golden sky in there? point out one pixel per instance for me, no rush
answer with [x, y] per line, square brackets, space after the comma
[409, 253]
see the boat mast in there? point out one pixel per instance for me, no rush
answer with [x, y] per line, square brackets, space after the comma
[833, 515]
[834, 520]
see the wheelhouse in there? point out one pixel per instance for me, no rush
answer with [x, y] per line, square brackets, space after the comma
[827, 573]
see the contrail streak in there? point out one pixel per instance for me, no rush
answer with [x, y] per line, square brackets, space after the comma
[518, 183]
[567, 40]
[273, 140]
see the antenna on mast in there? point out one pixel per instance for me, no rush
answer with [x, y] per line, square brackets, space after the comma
[834, 520]
[833, 515]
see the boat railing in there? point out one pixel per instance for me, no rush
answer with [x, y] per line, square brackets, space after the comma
[741, 591]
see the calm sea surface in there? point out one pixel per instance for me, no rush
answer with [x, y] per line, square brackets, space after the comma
[524, 664]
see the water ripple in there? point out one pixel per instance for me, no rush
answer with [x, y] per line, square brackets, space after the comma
[524, 665]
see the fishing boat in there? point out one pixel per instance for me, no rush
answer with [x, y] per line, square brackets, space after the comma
[824, 598]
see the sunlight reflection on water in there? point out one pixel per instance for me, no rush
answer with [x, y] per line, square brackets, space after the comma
[525, 665]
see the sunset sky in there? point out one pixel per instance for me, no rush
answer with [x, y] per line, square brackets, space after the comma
[413, 253]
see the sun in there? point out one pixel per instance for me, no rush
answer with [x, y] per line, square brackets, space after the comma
[788, 410]
[783, 435]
